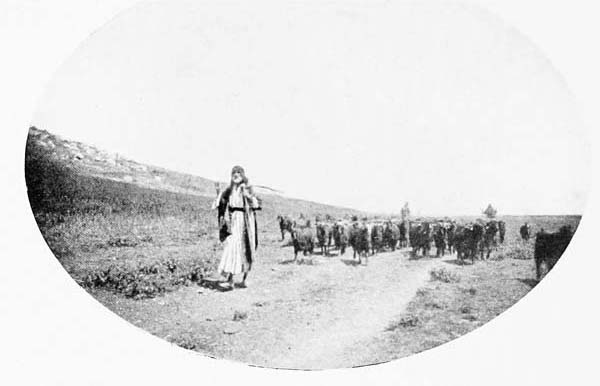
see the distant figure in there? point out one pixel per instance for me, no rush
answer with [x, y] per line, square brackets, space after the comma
[490, 212]
[525, 232]
[405, 212]
[237, 226]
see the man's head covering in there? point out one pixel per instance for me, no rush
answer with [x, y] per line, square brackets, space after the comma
[239, 169]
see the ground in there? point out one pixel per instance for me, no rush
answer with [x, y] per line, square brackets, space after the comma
[330, 312]
[143, 241]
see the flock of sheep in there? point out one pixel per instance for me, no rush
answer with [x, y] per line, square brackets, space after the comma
[474, 240]
[368, 237]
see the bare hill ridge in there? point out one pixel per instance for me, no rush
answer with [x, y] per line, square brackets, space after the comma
[80, 161]
[94, 162]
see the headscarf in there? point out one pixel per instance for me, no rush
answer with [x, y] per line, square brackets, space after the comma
[239, 169]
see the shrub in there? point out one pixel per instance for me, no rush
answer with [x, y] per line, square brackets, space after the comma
[145, 280]
[422, 292]
[186, 342]
[444, 275]
[434, 305]
[404, 322]
[239, 315]
[121, 242]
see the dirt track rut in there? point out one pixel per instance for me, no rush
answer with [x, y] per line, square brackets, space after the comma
[301, 316]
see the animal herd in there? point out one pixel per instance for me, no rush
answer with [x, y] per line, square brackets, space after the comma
[367, 237]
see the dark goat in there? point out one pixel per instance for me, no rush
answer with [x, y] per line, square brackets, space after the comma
[548, 249]
[324, 237]
[489, 241]
[303, 240]
[501, 231]
[285, 224]
[340, 237]
[376, 238]
[391, 235]
[358, 238]
[439, 239]
[420, 238]
[524, 232]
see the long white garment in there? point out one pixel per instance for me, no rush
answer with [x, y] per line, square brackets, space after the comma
[235, 255]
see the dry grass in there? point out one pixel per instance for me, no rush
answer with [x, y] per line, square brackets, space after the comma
[446, 309]
[444, 275]
[138, 243]
[123, 237]
[459, 299]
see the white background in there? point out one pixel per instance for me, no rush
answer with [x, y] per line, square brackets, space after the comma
[52, 332]
[398, 99]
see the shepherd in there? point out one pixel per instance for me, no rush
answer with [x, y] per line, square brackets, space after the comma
[237, 227]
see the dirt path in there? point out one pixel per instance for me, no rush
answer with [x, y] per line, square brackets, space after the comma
[302, 316]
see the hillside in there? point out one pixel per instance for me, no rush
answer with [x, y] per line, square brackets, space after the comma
[90, 161]
[147, 249]
[101, 213]
[61, 172]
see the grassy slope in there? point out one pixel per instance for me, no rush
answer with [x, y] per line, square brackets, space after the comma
[93, 219]
[97, 211]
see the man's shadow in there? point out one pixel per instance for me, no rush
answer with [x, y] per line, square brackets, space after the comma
[214, 284]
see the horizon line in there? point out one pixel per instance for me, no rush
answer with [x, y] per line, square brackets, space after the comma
[280, 193]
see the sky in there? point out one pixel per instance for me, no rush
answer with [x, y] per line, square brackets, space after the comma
[366, 106]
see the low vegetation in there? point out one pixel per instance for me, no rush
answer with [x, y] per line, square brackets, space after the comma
[445, 308]
[116, 235]
[145, 280]
[444, 275]
[123, 240]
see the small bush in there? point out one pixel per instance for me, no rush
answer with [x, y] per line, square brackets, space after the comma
[434, 305]
[422, 292]
[186, 342]
[239, 315]
[404, 322]
[121, 242]
[145, 280]
[471, 291]
[444, 275]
